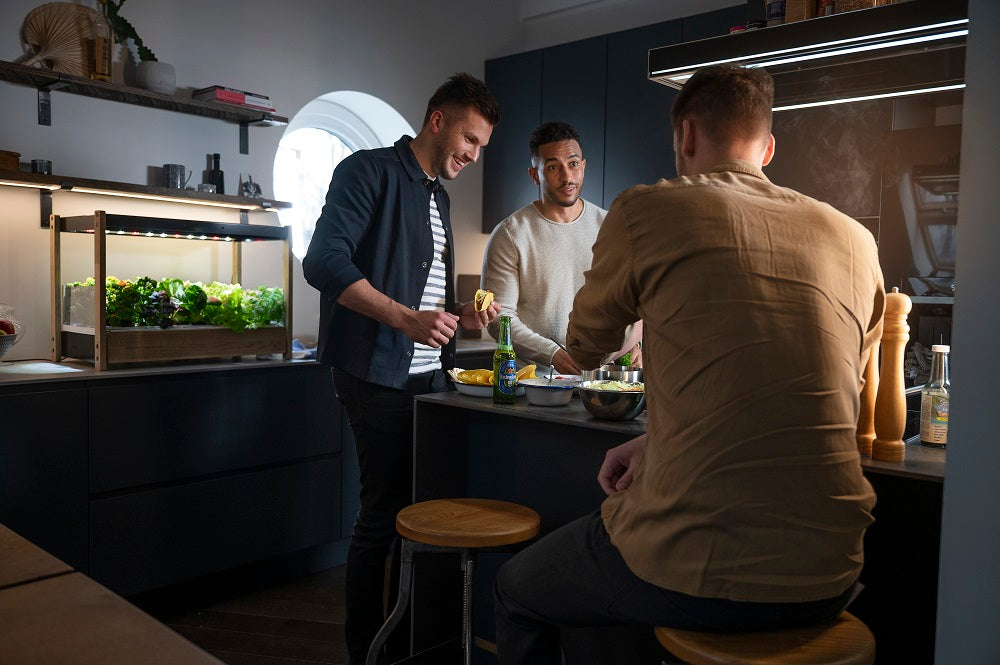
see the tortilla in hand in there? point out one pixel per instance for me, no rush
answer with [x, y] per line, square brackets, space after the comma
[483, 299]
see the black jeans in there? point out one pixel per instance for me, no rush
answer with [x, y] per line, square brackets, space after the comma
[382, 421]
[575, 577]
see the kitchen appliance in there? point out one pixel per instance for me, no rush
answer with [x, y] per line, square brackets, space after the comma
[919, 210]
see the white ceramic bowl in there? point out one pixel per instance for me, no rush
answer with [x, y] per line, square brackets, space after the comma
[541, 392]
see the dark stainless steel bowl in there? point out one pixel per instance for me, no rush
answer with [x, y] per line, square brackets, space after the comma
[611, 404]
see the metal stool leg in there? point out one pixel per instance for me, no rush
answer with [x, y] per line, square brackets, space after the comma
[468, 567]
[402, 600]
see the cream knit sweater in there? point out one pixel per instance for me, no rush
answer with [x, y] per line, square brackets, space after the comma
[534, 267]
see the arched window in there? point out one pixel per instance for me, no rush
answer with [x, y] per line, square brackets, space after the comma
[323, 133]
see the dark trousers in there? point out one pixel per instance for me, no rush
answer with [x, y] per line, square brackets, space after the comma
[575, 577]
[382, 421]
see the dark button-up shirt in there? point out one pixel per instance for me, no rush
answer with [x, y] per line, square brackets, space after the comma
[375, 225]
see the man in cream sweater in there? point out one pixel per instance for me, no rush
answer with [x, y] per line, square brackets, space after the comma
[536, 258]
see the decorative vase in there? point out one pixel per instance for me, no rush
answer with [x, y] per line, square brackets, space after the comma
[156, 76]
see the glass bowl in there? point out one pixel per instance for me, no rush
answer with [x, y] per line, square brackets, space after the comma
[7, 341]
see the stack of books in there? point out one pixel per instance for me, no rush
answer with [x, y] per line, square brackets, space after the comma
[220, 93]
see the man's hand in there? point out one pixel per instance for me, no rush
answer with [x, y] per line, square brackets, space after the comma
[473, 320]
[431, 327]
[620, 464]
[564, 364]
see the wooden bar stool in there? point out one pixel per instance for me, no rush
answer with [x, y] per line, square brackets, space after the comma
[845, 641]
[448, 526]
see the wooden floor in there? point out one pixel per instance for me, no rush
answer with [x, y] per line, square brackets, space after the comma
[295, 623]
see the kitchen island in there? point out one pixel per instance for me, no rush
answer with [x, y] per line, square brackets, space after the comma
[547, 458]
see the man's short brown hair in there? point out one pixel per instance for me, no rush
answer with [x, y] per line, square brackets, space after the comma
[731, 102]
[463, 90]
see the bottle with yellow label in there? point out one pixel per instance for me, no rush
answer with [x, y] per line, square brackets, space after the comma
[934, 400]
[504, 366]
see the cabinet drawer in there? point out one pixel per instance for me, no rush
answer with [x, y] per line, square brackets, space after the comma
[163, 429]
[43, 471]
[149, 539]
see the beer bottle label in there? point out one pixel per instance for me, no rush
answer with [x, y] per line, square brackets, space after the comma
[507, 379]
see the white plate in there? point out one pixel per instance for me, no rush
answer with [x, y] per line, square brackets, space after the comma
[476, 390]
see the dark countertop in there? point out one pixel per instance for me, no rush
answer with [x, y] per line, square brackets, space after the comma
[39, 372]
[921, 462]
[42, 372]
[486, 343]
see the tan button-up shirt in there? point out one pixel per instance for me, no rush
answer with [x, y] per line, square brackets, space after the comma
[760, 306]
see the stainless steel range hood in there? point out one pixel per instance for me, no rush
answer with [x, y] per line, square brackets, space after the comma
[900, 49]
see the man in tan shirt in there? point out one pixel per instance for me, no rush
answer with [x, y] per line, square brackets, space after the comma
[743, 507]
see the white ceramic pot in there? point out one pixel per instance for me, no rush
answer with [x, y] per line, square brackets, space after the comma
[156, 76]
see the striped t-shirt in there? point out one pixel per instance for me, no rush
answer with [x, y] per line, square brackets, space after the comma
[426, 358]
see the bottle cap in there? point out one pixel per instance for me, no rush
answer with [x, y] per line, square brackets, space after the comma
[941, 348]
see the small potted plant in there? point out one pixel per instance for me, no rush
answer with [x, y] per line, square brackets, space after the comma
[151, 74]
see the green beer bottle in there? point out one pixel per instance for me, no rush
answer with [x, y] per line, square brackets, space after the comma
[504, 366]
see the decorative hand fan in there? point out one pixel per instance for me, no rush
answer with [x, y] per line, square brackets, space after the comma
[60, 36]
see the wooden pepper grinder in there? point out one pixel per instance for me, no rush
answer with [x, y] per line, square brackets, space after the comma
[890, 404]
[866, 416]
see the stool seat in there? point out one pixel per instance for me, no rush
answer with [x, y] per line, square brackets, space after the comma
[467, 523]
[845, 641]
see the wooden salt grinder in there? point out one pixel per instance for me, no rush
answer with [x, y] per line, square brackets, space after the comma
[890, 404]
[866, 416]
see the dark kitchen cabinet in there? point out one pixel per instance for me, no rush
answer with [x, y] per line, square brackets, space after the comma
[158, 536]
[574, 90]
[638, 138]
[43, 470]
[143, 478]
[516, 81]
[600, 86]
[194, 425]
[565, 82]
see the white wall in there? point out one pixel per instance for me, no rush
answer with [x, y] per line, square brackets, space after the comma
[293, 52]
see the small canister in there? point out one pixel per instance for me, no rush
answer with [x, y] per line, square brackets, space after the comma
[774, 11]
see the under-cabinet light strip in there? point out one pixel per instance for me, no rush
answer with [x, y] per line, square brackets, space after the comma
[168, 199]
[163, 234]
[131, 195]
[835, 43]
[865, 98]
[861, 49]
[30, 185]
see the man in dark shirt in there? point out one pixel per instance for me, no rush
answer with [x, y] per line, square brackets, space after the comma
[382, 257]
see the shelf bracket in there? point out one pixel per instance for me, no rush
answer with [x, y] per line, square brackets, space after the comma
[45, 206]
[45, 101]
[244, 139]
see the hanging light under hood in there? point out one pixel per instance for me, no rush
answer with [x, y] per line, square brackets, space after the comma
[906, 48]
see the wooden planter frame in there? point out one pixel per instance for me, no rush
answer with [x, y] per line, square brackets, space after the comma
[115, 346]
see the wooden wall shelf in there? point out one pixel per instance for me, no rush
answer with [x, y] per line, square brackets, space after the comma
[46, 80]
